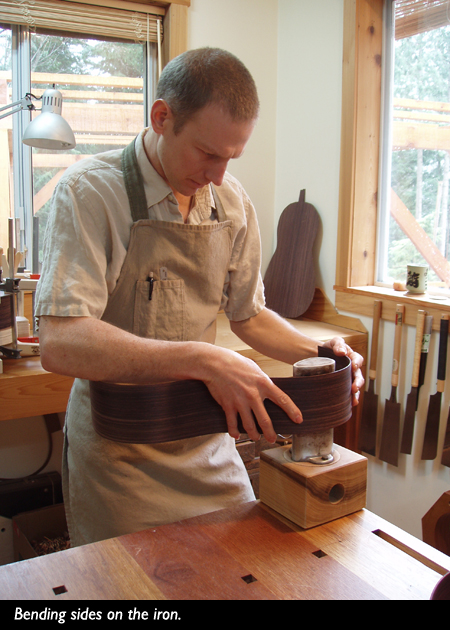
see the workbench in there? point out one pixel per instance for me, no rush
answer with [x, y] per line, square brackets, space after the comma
[27, 390]
[246, 553]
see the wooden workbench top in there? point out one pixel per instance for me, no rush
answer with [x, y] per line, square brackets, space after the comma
[321, 331]
[317, 330]
[245, 553]
[27, 390]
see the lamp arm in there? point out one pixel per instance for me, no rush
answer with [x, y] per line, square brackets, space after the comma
[24, 103]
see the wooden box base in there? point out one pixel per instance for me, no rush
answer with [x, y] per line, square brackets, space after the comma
[310, 494]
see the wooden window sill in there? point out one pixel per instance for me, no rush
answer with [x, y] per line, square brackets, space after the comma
[360, 300]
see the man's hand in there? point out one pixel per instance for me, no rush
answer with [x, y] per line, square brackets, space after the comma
[275, 337]
[340, 348]
[240, 387]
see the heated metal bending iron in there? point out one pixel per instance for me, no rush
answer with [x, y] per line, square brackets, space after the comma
[314, 447]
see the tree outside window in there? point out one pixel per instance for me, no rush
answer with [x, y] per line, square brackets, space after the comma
[417, 230]
[102, 84]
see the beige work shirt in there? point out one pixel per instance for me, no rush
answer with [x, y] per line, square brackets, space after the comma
[88, 232]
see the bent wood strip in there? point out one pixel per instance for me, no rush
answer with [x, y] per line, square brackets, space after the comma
[148, 414]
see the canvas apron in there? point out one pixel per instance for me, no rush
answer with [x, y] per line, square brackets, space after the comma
[110, 488]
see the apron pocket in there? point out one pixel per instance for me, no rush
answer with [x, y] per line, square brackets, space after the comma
[162, 316]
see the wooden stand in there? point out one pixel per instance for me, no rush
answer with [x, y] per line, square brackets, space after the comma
[311, 494]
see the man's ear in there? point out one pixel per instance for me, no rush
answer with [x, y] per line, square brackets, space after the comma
[160, 115]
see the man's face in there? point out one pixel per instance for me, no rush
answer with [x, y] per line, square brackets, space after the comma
[199, 154]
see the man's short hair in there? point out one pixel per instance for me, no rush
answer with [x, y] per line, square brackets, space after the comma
[199, 77]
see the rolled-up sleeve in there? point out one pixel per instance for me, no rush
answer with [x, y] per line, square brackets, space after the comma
[244, 289]
[78, 264]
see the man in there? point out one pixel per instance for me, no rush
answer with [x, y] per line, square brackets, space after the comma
[143, 248]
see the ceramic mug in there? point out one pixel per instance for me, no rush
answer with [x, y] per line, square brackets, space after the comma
[417, 278]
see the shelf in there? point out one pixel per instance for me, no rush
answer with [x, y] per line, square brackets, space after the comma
[360, 300]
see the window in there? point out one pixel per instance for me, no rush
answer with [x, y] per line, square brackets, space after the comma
[415, 162]
[360, 191]
[106, 77]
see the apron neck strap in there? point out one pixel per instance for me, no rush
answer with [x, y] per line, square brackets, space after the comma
[219, 206]
[134, 183]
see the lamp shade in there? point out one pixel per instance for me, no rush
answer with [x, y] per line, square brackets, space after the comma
[49, 130]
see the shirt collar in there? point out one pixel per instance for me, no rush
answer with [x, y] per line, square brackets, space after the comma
[156, 189]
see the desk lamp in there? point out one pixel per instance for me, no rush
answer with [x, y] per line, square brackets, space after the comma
[49, 130]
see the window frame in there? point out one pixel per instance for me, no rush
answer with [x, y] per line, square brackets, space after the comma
[21, 202]
[359, 175]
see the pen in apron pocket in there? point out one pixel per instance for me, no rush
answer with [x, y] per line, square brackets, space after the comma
[150, 280]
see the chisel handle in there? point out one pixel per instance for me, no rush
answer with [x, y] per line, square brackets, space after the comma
[420, 325]
[425, 348]
[399, 317]
[375, 333]
[442, 358]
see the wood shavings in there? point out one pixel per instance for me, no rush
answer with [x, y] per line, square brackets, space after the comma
[51, 545]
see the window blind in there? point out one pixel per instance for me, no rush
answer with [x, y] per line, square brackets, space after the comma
[417, 16]
[110, 22]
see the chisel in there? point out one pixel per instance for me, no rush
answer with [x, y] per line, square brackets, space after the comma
[445, 459]
[430, 440]
[368, 434]
[390, 435]
[411, 401]
[425, 350]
